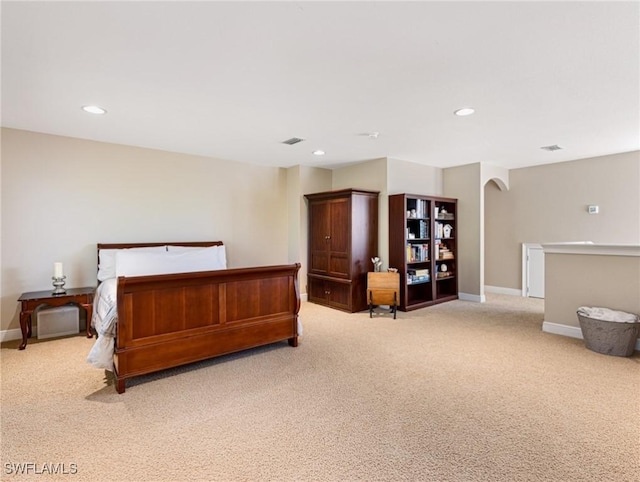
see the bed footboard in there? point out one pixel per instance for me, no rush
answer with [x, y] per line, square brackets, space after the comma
[169, 320]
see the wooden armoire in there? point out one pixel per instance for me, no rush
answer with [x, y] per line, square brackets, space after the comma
[343, 237]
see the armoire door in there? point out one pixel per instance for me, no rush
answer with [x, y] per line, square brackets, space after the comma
[320, 232]
[339, 237]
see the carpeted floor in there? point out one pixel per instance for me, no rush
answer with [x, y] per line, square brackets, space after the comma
[455, 392]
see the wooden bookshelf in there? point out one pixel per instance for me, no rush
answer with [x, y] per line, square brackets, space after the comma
[423, 247]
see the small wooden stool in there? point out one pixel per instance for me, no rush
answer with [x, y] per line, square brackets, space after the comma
[383, 289]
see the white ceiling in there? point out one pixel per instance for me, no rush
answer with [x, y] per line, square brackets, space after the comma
[232, 80]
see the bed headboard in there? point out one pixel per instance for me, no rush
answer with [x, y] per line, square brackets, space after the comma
[195, 244]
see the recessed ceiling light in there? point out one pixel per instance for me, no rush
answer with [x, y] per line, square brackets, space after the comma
[464, 111]
[94, 109]
[318, 153]
[373, 135]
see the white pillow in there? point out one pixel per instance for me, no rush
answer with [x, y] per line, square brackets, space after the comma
[142, 264]
[107, 259]
[217, 252]
[183, 249]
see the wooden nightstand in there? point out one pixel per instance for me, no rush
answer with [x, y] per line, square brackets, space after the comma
[34, 300]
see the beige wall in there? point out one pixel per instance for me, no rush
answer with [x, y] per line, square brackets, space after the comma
[311, 179]
[61, 196]
[549, 204]
[294, 215]
[1, 211]
[384, 175]
[370, 176]
[389, 176]
[406, 177]
[465, 184]
[575, 280]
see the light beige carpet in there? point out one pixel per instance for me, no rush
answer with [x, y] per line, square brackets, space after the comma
[456, 392]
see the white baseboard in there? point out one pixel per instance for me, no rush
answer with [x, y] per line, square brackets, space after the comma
[570, 331]
[15, 334]
[304, 297]
[503, 291]
[564, 330]
[470, 297]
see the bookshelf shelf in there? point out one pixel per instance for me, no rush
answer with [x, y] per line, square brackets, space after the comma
[418, 282]
[422, 246]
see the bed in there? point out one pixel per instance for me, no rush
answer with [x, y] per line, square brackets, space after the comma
[150, 317]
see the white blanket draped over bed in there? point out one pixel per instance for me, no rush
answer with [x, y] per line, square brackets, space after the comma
[105, 316]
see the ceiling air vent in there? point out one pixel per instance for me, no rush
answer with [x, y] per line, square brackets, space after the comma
[552, 148]
[292, 141]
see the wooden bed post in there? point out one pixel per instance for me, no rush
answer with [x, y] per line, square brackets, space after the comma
[120, 385]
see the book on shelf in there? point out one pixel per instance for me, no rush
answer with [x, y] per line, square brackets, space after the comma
[417, 253]
[418, 231]
[422, 208]
[419, 211]
[418, 276]
[424, 229]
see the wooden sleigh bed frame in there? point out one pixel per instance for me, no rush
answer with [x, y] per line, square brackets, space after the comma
[174, 319]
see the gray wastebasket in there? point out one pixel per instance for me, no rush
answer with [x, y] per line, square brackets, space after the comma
[602, 335]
